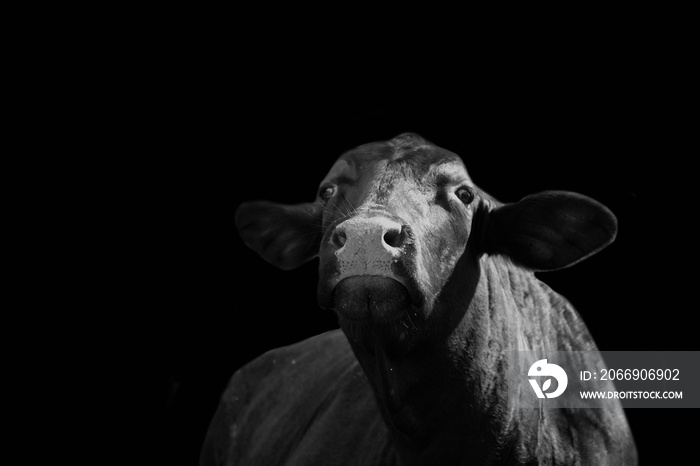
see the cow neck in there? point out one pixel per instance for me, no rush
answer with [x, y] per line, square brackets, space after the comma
[422, 402]
[446, 399]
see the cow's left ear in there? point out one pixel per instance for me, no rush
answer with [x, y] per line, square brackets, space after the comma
[550, 230]
[286, 236]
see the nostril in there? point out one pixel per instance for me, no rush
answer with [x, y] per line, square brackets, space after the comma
[339, 238]
[395, 237]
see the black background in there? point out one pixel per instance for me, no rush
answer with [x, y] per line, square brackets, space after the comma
[184, 117]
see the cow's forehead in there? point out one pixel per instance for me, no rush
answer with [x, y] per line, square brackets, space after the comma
[423, 157]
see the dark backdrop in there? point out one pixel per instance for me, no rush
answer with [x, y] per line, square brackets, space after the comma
[201, 118]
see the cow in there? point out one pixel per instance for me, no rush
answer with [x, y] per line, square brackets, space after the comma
[433, 283]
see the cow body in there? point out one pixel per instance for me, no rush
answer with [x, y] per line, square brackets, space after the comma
[297, 406]
[432, 282]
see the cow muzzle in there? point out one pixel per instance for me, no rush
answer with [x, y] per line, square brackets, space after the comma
[366, 269]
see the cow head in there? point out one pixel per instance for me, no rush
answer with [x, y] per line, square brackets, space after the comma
[395, 223]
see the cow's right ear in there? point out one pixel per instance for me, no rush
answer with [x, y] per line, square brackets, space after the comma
[286, 236]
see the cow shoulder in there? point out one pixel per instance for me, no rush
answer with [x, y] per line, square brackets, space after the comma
[294, 405]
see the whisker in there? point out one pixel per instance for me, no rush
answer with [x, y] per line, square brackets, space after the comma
[347, 207]
[344, 204]
[408, 314]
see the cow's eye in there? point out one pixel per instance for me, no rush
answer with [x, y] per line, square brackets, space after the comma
[465, 194]
[326, 193]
